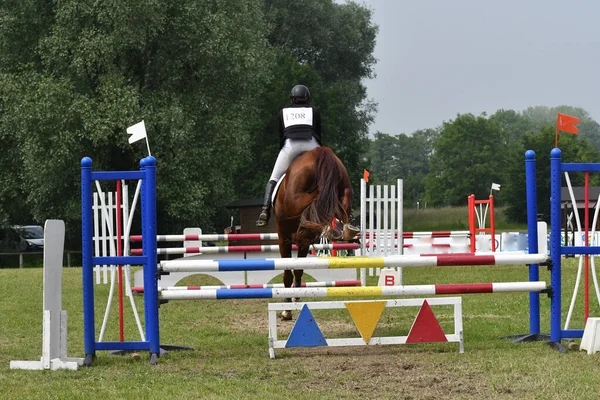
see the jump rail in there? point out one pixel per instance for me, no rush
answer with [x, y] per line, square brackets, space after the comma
[349, 262]
[362, 291]
[355, 282]
[232, 237]
[246, 249]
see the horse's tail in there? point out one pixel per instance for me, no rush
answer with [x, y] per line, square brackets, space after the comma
[332, 193]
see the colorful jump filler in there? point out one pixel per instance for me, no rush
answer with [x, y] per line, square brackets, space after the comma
[366, 316]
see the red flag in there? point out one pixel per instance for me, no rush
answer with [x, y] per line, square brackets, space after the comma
[366, 175]
[566, 123]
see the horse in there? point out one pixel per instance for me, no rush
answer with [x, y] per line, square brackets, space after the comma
[314, 192]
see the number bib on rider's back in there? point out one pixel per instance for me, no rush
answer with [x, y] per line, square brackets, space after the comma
[297, 116]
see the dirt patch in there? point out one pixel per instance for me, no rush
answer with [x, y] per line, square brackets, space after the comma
[387, 372]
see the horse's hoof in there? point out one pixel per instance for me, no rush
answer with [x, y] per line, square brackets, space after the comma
[350, 232]
[286, 315]
[296, 300]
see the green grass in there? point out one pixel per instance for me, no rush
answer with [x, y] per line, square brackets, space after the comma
[231, 361]
[452, 218]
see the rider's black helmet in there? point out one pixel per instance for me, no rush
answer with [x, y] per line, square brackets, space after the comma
[300, 94]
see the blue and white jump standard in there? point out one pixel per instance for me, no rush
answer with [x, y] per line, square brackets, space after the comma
[147, 174]
[556, 169]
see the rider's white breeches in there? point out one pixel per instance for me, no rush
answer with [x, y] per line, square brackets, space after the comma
[292, 148]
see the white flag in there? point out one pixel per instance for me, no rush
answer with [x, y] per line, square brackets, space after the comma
[495, 186]
[137, 132]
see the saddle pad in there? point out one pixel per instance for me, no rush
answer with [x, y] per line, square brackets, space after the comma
[276, 189]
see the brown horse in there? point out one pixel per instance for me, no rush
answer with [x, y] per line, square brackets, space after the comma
[315, 190]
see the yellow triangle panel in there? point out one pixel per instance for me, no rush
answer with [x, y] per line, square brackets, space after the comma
[365, 315]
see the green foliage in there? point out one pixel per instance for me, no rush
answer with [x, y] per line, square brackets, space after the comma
[512, 124]
[208, 78]
[327, 47]
[574, 149]
[88, 70]
[542, 116]
[337, 40]
[405, 157]
[469, 156]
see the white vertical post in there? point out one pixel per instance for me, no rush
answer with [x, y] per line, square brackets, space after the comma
[363, 228]
[54, 340]
[372, 238]
[386, 230]
[393, 224]
[96, 208]
[192, 243]
[400, 204]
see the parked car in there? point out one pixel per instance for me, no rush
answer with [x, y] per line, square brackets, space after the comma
[22, 238]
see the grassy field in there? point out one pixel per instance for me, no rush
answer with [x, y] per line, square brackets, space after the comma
[231, 361]
[452, 218]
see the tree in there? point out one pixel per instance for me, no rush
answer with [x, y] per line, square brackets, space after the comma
[405, 157]
[512, 124]
[87, 70]
[541, 116]
[469, 155]
[206, 76]
[329, 48]
[573, 149]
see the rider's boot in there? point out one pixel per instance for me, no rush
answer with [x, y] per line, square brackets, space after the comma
[265, 212]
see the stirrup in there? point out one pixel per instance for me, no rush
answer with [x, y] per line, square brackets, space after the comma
[263, 219]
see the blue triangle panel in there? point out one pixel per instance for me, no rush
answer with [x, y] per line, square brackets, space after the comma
[306, 332]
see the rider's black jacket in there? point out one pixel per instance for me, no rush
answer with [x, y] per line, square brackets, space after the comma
[299, 121]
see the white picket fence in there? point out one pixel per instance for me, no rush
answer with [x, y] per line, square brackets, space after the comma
[380, 223]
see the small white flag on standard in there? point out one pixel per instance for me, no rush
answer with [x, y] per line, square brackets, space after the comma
[137, 132]
[495, 186]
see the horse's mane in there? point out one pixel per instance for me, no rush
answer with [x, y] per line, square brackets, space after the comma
[331, 185]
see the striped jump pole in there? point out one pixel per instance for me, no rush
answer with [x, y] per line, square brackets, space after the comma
[267, 248]
[354, 282]
[231, 237]
[348, 262]
[412, 235]
[361, 291]
[245, 249]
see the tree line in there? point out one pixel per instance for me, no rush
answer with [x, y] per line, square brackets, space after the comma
[443, 166]
[207, 77]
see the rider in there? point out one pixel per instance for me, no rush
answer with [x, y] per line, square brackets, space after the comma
[299, 131]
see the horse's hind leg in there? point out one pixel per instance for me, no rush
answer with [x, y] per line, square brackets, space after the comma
[302, 252]
[285, 251]
[287, 282]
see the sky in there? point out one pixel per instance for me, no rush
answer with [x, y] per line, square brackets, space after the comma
[441, 58]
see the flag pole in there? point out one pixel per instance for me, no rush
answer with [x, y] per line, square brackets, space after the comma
[556, 140]
[148, 146]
